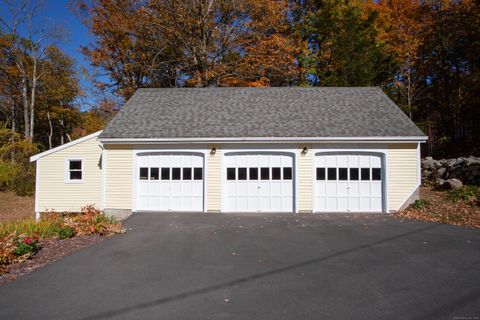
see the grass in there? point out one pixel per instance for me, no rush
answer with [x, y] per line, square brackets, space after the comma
[45, 228]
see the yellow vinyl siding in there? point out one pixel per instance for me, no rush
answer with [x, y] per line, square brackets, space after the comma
[54, 193]
[402, 173]
[214, 180]
[304, 180]
[118, 176]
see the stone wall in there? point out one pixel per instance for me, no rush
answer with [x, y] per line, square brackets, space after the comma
[451, 173]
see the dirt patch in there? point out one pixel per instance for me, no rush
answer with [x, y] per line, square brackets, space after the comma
[51, 250]
[436, 208]
[13, 207]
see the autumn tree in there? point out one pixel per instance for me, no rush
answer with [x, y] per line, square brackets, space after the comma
[168, 43]
[22, 55]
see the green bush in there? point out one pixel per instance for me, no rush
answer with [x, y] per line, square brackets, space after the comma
[65, 232]
[26, 245]
[419, 204]
[465, 193]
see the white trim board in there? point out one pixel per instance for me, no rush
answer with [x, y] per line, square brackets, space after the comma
[264, 139]
[64, 146]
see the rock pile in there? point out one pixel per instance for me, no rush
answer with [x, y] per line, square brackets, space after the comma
[451, 173]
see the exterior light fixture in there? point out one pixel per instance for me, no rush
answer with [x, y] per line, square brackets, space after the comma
[304, 151]
[213, 151]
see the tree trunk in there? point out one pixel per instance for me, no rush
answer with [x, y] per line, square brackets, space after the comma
[26, 113]
[32, 99]
[14, 131]
[50, 134]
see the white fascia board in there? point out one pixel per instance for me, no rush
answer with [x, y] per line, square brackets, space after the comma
[64, 146]
[263, 140]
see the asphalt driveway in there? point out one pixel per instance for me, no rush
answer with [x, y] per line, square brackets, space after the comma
[212, 266]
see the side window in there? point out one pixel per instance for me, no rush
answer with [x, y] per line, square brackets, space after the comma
[143, 174]
[75, 170]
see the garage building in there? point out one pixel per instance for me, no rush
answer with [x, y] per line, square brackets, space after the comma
[299, 150]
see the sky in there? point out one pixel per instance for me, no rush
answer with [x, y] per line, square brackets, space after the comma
[57, 12]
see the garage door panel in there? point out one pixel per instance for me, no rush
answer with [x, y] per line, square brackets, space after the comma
[342, 203]
[354, 203]
[342, 188]
[348, 182]
[376, 188]
[172, 183]
[331, 188]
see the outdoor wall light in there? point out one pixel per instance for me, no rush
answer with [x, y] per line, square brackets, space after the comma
[304, 151]
[213, 151]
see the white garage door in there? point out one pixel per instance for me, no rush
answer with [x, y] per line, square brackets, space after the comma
[170, 182]
[348, 182]
[258, 182]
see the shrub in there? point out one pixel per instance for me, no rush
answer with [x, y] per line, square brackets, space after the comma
[26, 245]
[65, 232]
[419, 204]
[465, 193]
[92, 221]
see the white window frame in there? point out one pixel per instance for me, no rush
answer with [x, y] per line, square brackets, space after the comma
[67, 170]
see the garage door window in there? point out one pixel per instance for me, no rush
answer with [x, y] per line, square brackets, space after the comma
[265, 174]
[154, 173]
[146, 173]
[365, 174]
[353, 174]
[242, 173]
[253, 172]
[197, 174]
[143, 173]
[165, 173]
[230, 173]
[376, 174]
[332, 173]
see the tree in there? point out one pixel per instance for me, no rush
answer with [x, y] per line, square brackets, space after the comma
[23, 56]
[343, 45]
[199, 43]
[402, 26]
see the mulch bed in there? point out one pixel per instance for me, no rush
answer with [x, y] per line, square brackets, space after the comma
[438, 209]
[51, 250]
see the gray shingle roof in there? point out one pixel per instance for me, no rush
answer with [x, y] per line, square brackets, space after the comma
[260, 112]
